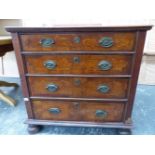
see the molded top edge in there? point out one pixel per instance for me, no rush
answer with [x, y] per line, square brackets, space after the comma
[77, 29]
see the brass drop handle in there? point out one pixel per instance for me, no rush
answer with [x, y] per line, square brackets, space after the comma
[106, 42]
[50, 64]
[104, 65]
[101, 113]
[103, 88]
[47, 42]
[54, 110]
[52, 87]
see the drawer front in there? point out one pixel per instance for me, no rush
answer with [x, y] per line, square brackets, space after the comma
[78, 87]
[77, 111]
[79, 64]
[107, 41]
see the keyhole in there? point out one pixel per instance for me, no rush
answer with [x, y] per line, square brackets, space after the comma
[76, 104]
[76, 59]
[77, 82]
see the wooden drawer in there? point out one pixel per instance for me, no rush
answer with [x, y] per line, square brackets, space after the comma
[104, 41]
[77, 111]
[78, 64]
[78, 87]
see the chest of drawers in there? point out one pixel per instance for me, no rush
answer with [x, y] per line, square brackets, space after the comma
[79, 76]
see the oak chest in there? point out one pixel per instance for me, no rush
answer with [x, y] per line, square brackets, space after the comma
[79, 76]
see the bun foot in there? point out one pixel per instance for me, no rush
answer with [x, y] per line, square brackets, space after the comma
[33, 129]
[124, 131]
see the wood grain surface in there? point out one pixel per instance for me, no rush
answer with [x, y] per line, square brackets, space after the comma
[123, 41]
[87, 87]
[88, 64]
[77, 111]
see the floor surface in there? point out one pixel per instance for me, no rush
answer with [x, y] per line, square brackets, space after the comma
[12, 118]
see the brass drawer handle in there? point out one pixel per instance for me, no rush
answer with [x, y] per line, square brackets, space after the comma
[47, 42]
[52, 87]
[101, 113]
[106, 42]
[54, 110]
[50, 64]
[103, 88]
[104, 65]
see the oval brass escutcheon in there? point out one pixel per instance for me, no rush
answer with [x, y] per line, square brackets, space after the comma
[104, 65]
[103, 88]
[47, 42]
[54, 110]
[106, 42]
[101, 113]
[52, 87]
[50, 64]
